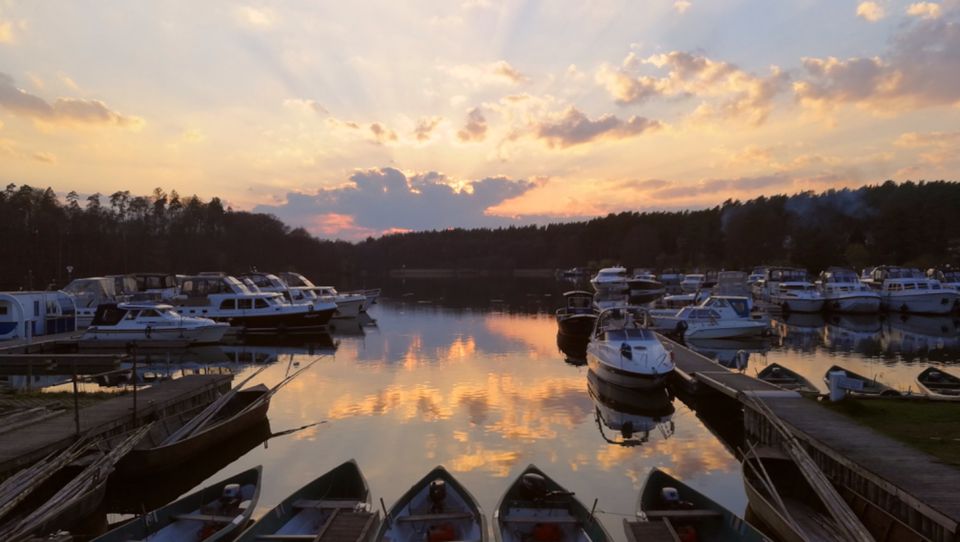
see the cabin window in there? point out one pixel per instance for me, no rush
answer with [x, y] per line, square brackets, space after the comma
[3, 310]
[244, 304]
[934, 286]
[228, 305]
[131, 315]
[261, 304]
[149, 313]
[36, 307]
[922, 286]
[909, 286]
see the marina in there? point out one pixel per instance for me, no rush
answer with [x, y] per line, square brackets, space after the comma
[458, 345]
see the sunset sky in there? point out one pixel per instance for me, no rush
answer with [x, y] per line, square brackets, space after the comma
[360, 118]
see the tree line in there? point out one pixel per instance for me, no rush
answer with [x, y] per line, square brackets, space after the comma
[47, 241]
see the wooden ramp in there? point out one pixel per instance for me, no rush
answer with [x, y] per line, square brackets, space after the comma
[882, 469]
[111, 416]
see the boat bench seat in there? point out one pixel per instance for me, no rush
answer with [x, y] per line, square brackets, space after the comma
[540, 519]
[433, 517]
[683, 514]
[308, 503]
[204, 517]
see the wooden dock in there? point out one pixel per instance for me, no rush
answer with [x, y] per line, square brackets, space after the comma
[912, 486]
[696, 373]
[916, 488]
[108, 417]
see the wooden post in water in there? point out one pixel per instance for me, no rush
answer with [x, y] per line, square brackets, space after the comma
[133, 375]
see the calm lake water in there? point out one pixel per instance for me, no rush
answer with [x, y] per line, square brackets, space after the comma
[468, 374]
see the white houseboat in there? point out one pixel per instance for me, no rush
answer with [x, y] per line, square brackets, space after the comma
[32, 314]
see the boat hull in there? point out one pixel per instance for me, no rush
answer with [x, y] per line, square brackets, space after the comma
[400, 525]
[290, 322]
[853, 304]
[139, 462]
[793, 304]
[576, 324]
[938, 302]
[349, 308]
[625, 379]
[738, 330]
[193, 335]
[769, 516]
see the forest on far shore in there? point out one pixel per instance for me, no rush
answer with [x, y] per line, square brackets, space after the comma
[912, 223]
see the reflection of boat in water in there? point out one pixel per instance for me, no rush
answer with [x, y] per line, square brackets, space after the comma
[800, 331]
[912, 334]
[852, 333]
[353, 327]
[631, 413]
[687, 512]
[731, 353]
[574, 348]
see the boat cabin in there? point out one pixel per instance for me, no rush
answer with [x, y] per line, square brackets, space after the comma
[111, 314]
[578, 302]
[295, 280]
[31, 314]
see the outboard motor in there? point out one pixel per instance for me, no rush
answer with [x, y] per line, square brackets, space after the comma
[533, 486]
[437, 494]
[669, 497]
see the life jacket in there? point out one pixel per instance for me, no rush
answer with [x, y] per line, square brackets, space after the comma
[547, 532]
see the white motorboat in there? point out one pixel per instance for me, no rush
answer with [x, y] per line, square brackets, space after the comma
[624, 352]
[717, 317]
[90, 292]
[908, 290]
[645, 286]
[349, 305]
[949, 277]
[610, 279]
[692, 282]
[798, 296]
[150, 322]
[678, 301]
[226, 299]
[842, 291]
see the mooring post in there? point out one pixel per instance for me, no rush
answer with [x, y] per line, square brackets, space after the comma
[134, 376]
[76, 399]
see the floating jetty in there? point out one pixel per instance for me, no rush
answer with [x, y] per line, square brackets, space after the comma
[108, 417]
[879, 476]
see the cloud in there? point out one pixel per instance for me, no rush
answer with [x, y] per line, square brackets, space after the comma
[937, 148]
[870, 11]
[681, 6]
[252, 17]
[382, 135]
[573, 127]
[728, 91]
[425, 127]
[75, 111]
[643, 186]
[921, 69]
[380, 200]
[11, 149]
[305, 106]
[925, 10]
[476, 127]
[6, 32]
[493, 73]
[714, 186]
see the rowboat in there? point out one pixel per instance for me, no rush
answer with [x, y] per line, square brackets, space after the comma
[335, 506]
[151, 454]
[860, 384]
[686, 512]
[771, 478]
[780, 376]
[437, 505]
[939, 382]
[537, 507]
[212, 513]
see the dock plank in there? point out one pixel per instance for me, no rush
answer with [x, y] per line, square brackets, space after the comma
[111, 416]
[648, 531]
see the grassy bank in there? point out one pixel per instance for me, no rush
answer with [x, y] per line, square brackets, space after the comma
[933, 427]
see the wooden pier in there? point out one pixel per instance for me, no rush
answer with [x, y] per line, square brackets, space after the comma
[915, 488]
[108, 417]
